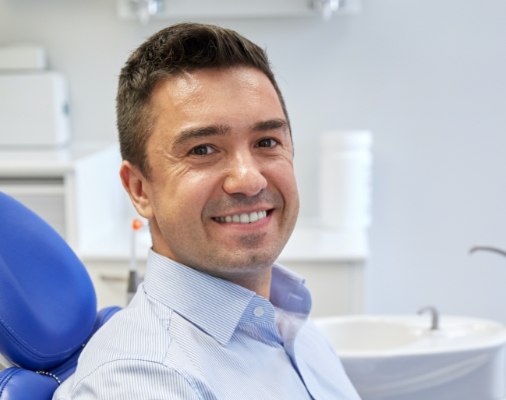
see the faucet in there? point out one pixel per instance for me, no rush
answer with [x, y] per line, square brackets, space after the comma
[487, 248]
[434, 314]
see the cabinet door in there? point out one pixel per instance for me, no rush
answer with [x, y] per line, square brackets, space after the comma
[45, 196]
[110, 284]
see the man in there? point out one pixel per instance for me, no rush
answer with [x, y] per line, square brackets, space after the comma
[208, 160]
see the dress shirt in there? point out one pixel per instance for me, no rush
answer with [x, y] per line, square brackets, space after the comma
[188, 335]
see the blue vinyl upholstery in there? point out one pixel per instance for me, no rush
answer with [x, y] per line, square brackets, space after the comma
[47, 305]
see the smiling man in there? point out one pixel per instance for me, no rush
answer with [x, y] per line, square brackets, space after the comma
[208, 160]
[220, 194]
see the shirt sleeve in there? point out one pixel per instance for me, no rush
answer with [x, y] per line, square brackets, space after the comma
[132, 379]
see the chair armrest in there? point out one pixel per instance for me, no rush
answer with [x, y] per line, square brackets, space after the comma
[21, 384]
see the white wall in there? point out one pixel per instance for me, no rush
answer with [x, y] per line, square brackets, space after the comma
[427, 77]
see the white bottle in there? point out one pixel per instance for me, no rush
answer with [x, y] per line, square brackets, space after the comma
[345, 179]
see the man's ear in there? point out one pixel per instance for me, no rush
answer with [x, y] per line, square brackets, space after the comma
[137, 187]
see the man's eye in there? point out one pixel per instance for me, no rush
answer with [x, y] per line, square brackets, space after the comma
[202, 150]
[269, 142]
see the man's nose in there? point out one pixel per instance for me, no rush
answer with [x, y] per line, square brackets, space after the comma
[244, 175]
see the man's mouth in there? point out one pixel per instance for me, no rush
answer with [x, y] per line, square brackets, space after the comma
[243, 218]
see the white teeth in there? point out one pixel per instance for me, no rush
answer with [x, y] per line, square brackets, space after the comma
[243, 218]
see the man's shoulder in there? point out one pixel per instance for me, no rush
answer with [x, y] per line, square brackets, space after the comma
[137, 332]
[137, 351]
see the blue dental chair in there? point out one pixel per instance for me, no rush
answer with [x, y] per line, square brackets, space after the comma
[47, 305]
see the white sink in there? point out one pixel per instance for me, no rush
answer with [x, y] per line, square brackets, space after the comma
[399, 357]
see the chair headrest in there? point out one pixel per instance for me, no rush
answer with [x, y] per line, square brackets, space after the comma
[47, 299]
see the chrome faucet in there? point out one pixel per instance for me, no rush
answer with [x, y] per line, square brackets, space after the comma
[487, 248]
[434, 314]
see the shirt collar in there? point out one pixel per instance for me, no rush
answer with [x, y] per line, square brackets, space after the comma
[289, 292]
[200, 297]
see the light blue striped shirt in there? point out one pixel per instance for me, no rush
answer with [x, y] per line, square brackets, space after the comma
[187, 335]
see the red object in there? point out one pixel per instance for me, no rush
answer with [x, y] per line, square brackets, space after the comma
[137, 224]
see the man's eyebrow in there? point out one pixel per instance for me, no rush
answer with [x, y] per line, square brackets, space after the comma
[271, 124]
[200, 132]
[189, 134]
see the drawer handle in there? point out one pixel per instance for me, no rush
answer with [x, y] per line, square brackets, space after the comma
[113, 278]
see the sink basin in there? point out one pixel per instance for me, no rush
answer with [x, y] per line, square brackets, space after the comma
[400, 357]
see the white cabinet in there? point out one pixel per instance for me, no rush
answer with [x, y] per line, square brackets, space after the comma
[44, 195]
[110, 281]
[77, 190]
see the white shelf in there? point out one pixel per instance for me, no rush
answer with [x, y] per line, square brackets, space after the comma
[75, 189]
[32, 162]
[184, 9]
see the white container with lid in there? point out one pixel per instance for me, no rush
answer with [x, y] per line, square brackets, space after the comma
[345, 179]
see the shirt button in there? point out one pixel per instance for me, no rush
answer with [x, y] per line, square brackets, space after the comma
[258, 311]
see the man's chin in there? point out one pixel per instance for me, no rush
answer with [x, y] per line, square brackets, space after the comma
[253, 259]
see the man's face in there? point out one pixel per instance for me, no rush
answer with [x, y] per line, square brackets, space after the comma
[221, 196]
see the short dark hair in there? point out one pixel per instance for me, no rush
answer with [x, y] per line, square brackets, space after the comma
[170, 52]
